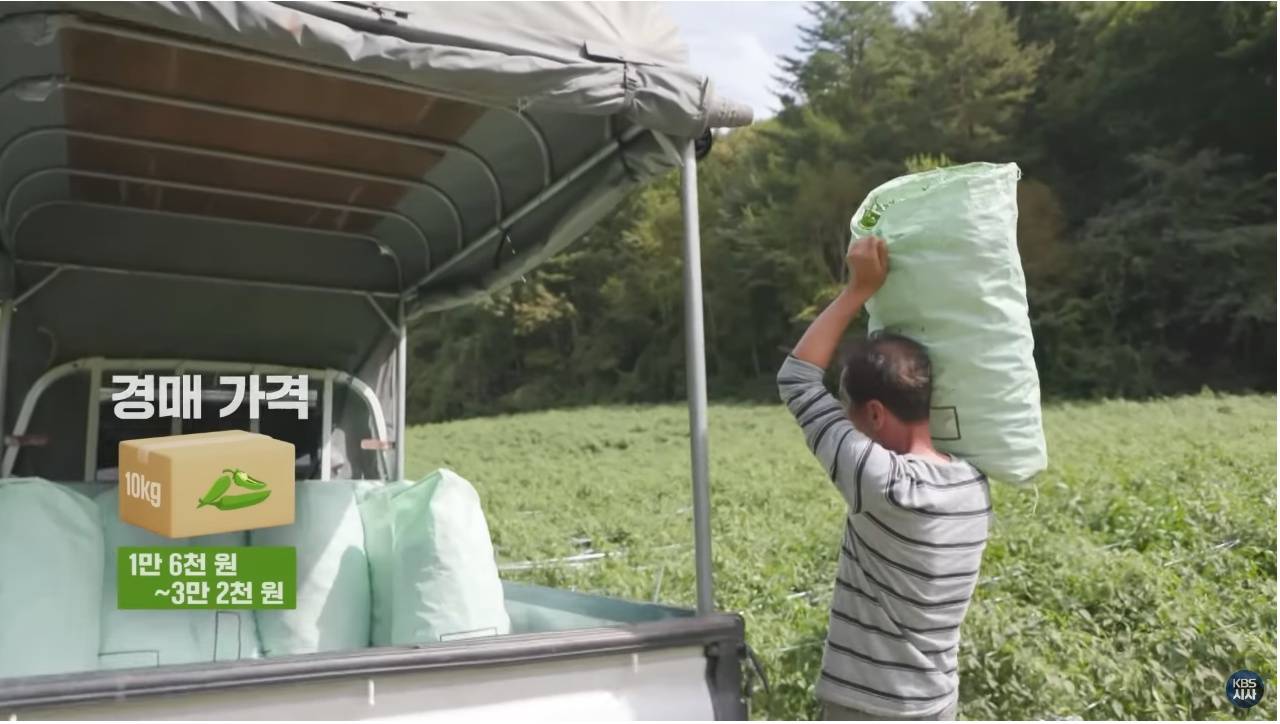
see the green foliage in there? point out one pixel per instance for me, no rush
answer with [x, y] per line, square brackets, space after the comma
[926, 162]
[1174, 285]
[1135, 575]
[1146, 134]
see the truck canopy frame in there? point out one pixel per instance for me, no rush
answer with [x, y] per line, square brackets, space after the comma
[293, 182]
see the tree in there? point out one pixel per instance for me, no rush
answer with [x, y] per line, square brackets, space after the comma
[1146, 134]
[1176, 288]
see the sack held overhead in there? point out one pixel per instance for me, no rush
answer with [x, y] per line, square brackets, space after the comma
[956, 285]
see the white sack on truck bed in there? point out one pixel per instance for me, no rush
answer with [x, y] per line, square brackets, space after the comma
[51, 554]
[333, 603]
[433, 573]
[956, 286]
[150, 638]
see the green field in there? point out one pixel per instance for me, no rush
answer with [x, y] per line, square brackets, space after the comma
[1129, 582]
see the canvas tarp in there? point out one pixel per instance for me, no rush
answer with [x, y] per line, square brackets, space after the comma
[286, 182]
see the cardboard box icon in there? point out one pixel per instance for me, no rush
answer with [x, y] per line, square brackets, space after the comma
[212, 482]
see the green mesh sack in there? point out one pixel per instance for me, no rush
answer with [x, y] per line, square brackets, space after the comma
[956, 285]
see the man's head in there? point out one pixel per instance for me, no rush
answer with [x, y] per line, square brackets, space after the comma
[886, 385]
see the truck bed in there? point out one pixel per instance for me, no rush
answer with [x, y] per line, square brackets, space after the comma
[634, 661]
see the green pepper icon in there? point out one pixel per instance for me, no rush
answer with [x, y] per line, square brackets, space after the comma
[235, 502]
[239, 477]
[217, 493]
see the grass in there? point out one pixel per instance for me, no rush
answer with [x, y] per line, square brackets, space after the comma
[1128, 582]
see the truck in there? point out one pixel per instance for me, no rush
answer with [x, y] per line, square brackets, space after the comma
[210, 189]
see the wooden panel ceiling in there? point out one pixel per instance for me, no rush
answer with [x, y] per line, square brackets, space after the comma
[154, 68]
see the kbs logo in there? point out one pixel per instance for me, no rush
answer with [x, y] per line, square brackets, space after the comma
[137, 486]
[1245, 688]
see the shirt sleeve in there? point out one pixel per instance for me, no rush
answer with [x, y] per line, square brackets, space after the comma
[859, 468]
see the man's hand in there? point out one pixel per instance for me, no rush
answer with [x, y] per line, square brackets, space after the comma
[868, 260]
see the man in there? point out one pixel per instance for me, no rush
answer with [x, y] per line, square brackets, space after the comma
[917, 521]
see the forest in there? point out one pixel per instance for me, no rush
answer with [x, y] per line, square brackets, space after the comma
[1146, 136]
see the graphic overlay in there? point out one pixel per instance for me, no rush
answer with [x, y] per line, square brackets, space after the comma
[146, 396]
[158, 577]
[1245, 688]
[217, 494]
[180, 486]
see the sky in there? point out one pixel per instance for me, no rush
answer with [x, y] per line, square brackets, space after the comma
[738, 44]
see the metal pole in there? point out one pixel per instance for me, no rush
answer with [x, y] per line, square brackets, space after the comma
[92, 415]
[175, 424]
[7, 309]
[401, 386]
[696, 379]
[326, 428]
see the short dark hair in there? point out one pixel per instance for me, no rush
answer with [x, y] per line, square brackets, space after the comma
[890, 368]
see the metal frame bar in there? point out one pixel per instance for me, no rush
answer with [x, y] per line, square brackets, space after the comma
[381, 247]
[398, 328]
[696, 379]
[245, 158]
[7, 308]
[57, 265]
[175, 426]
[336, 128]
[402, 366]
[95, 365]
[92, 416]
[60, 21]
[12, 195]
[603, 153]
[326, 428]
[31, 290]
[386, 319]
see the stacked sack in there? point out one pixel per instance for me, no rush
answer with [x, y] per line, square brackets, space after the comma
[51, 561]
[142, 638]
[383, 564]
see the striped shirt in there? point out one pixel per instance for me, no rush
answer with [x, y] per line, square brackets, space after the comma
[909, 559]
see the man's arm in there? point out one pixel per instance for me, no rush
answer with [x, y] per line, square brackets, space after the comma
[818, 345]
[851, 460]
[868, 261]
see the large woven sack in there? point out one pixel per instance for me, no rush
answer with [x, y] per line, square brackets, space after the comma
[333, 600]
[51, 554]
[433, 573]
[149, 638]
[956, 285]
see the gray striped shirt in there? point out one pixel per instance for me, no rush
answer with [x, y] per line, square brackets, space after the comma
[909, 559]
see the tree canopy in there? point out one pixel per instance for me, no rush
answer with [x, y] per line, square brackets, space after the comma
[1146, 134]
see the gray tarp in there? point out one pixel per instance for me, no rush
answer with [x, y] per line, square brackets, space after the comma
[275, 182]
[573, 57]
